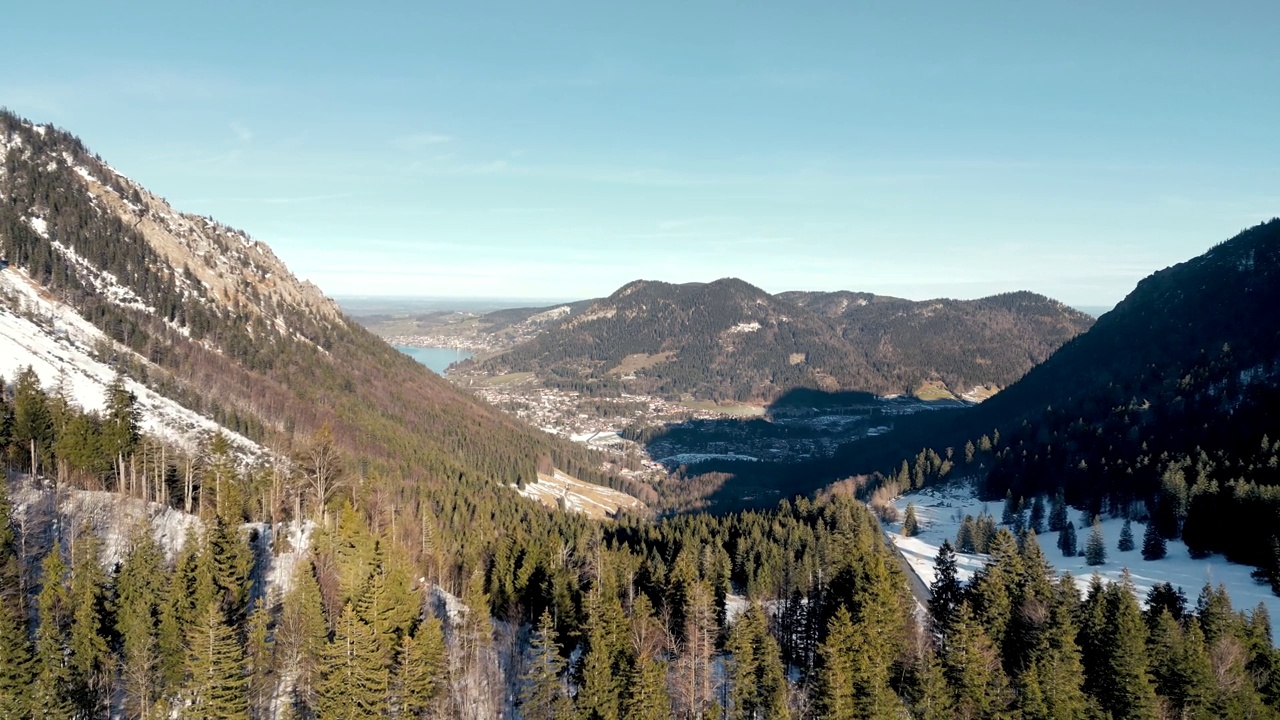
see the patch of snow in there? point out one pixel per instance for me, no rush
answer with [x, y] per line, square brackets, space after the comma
[940, 511]
[745, 327]
[55, 341]
[40, 226]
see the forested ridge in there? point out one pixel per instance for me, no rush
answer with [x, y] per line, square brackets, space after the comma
[730, 341]
[1163, 410]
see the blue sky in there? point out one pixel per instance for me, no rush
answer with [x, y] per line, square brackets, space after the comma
[559, 150]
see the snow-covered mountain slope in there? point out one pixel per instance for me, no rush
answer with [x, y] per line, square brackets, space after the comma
[38, 331]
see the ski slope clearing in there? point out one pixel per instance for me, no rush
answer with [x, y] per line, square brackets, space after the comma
[38, 331]
[941, 509]
[578, 496]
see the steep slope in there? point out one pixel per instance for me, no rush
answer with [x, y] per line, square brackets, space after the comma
[1165, 407]
[1168, 400]
[210, 318]
[728, 340]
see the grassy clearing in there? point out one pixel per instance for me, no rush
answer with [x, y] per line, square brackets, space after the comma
[640, 361]
[933, 390]
[508, 379]
[732, 409]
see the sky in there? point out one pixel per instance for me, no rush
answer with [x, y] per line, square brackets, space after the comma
[559, 150]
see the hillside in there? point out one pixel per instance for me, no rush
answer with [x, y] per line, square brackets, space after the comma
[730, 341]
[1168, 401]
[209, 318]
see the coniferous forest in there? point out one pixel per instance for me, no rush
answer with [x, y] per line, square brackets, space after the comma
[395, 611]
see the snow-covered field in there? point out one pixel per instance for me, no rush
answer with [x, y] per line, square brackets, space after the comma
[58, 342]
[594, 500]
[941, 509]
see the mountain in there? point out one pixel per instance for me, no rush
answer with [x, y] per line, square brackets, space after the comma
[730, 341]
[212, 321]
[1166, 405]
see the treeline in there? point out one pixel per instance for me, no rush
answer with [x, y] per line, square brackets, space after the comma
[1017, 642]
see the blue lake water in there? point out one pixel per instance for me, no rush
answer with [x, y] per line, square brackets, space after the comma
[435, 358]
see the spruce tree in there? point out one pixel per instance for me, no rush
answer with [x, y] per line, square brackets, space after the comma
[259, 654]
[1153, 546]
[1058, 513]
[1067, 540]
[421, 669]
[1126, 689]
[90, 658]
[302, 636]
[933, 695]
[1126, 537]
[757, 686]
[972, 666]
[51, 695]
[139, 587]
[542, 688]
[216, 686]
[910, 525]
[17, 666]
[353, 680]
[1036, 523]
[966, 541]
[1095, 552]
[946, 591]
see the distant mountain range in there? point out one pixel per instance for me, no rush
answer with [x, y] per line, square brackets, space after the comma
[731, 341]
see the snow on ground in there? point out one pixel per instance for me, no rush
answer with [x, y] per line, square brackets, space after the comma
[53, 339]
[594, 500]
[940, 511]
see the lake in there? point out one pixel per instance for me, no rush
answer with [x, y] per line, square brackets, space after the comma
[436, 358]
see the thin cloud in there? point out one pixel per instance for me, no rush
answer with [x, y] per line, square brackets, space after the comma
[417, 141]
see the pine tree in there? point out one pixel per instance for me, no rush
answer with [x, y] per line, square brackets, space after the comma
[421, 668]
[1067, 540]
[1153, 546]
[542, 691]
[1095, 552]
[216, 686]
[910, 525]
[1126, 537]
